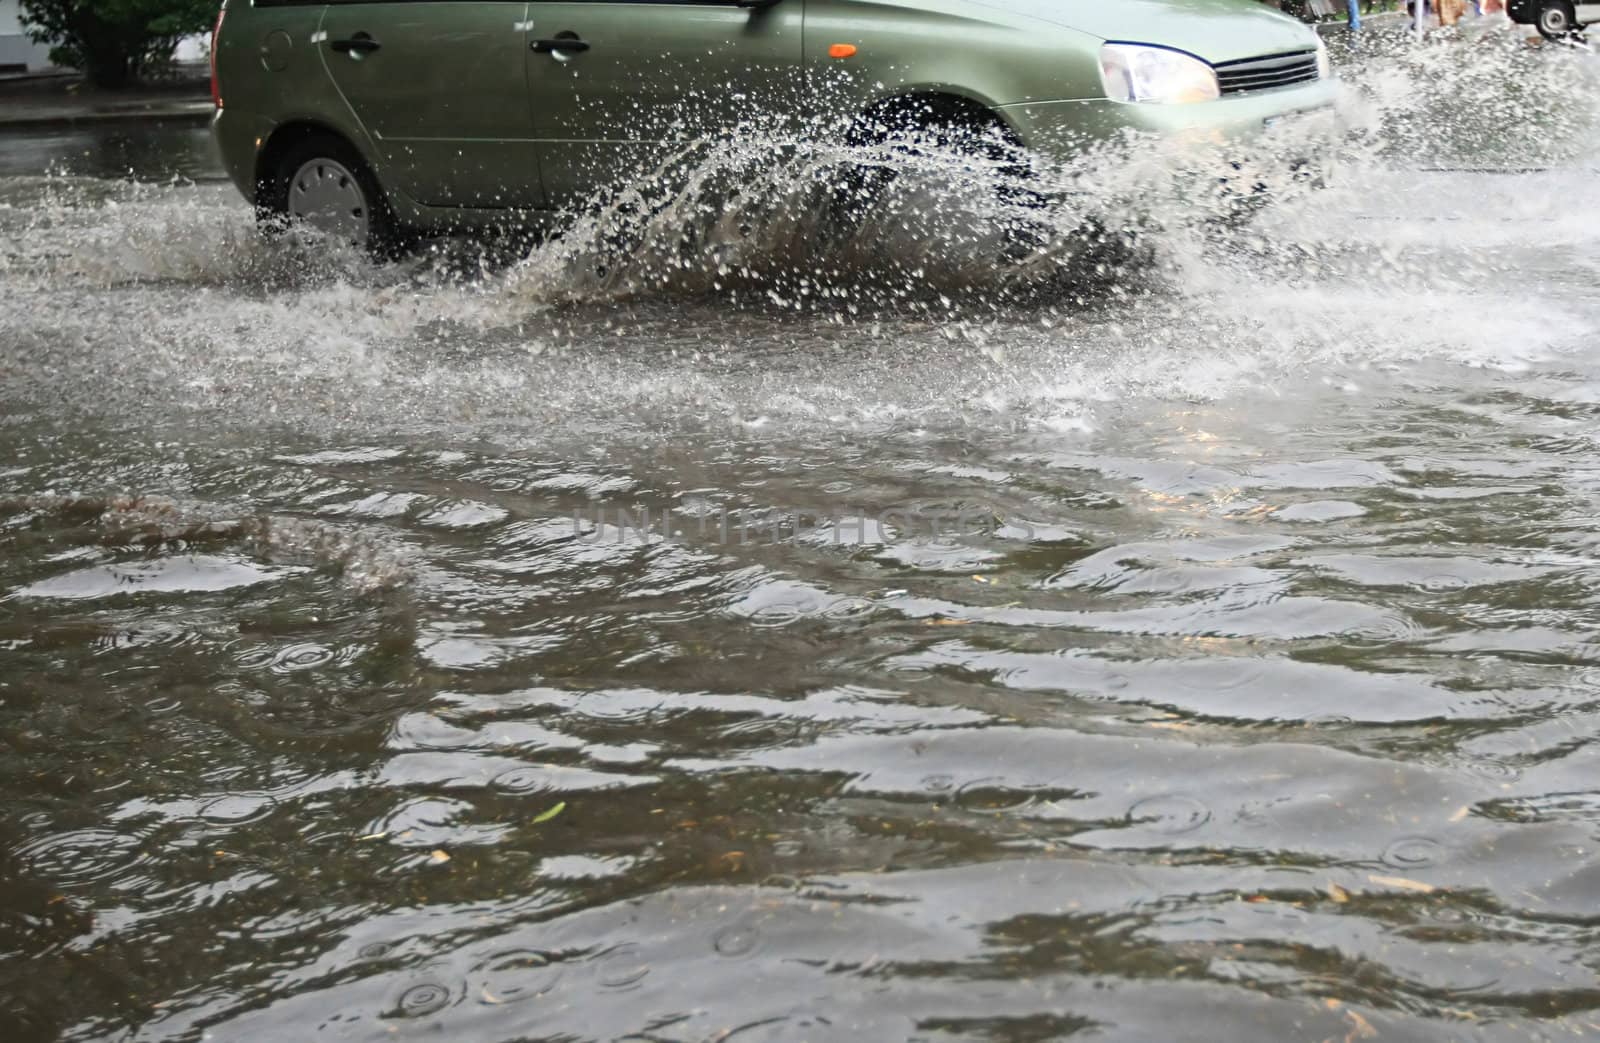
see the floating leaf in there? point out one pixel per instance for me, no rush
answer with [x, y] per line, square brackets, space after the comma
[546, 816]
[439, 856]
[1404, 884]
[1337, 893]
[1363, 1028]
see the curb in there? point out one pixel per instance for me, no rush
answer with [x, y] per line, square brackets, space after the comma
[198, 113]
[64, 111]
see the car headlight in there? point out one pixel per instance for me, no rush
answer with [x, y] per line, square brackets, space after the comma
[1324, 63]
[1138, 72]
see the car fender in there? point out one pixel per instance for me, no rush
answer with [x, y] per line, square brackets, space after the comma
[900, 48]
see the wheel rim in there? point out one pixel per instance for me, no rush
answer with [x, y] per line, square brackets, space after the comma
[1553, 20]
[325, 195]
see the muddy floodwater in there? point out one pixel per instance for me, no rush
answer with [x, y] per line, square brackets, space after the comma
[722, 631]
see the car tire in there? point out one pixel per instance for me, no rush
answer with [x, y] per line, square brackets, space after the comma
[322, 182]
[1557, 20]
[862, 186]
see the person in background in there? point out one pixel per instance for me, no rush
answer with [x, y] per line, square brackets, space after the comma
[1305, 10]
[1449, 12]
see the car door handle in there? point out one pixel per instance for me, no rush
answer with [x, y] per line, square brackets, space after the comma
[360, 43]
[563, 42]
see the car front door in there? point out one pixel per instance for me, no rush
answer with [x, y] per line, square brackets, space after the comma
[441, 88]
[619, 86]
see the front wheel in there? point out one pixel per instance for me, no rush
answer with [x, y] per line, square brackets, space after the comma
[1557, 20]
[971, 153]
[323, 183]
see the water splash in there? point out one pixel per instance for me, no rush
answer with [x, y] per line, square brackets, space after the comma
[729, 289]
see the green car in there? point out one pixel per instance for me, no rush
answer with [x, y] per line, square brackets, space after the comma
[369, 118]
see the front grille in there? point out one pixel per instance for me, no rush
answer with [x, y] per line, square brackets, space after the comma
[1263, 74]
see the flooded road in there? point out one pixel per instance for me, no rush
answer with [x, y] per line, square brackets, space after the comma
[679, 649]
[141, 150]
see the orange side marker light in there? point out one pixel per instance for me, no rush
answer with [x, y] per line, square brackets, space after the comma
[842, 50]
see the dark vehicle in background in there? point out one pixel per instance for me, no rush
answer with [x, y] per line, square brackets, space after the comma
[1555, 19]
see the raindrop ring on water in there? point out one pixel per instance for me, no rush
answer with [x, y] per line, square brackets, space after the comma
[83, 857]
[1491, 768]
[596, 707]
[849, 608]
[736, 940]
[907, 671]
[237, 808]
[421, 1000]
[620, 968]
[522, 780]
[515, 975]
[774, 616]
[1413, 853]
[301, 657]
[255, 657]
[992, 794]
[1170, 814]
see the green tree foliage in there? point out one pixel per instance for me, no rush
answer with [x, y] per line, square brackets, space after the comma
[115, 41]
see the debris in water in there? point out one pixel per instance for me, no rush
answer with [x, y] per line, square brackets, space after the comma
[1403, 884]
[546, 816]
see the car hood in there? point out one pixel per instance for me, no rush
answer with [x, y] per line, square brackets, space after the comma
[1216, 30]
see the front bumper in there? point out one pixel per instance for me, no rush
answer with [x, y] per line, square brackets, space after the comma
[1062, 130]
